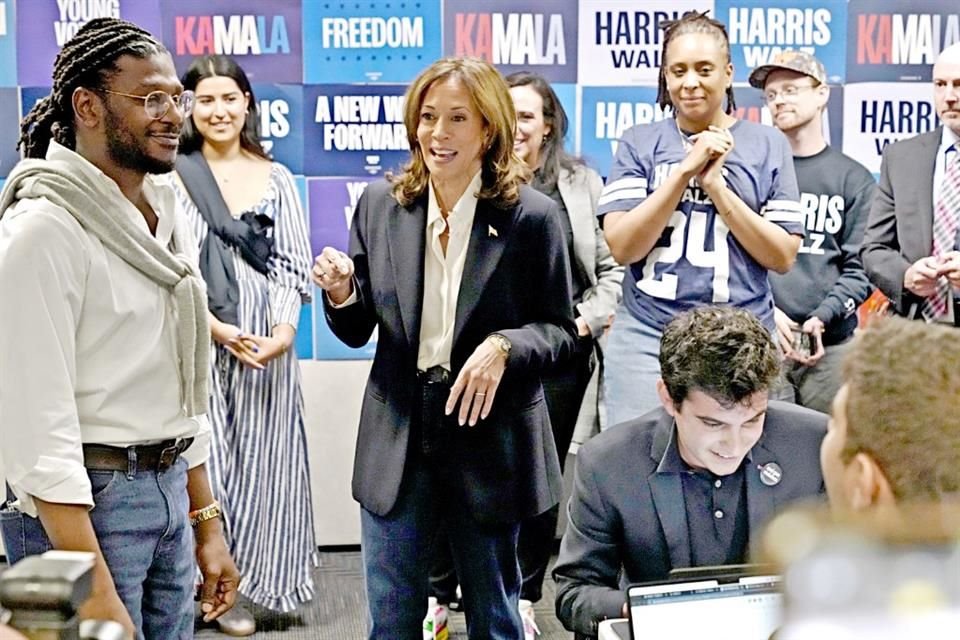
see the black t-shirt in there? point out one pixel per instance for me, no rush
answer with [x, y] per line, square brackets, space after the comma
[828, 280]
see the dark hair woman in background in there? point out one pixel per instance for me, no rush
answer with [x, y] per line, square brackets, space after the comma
[595, 283]
[255, 258]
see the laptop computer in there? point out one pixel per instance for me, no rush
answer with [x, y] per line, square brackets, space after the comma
[727, 606]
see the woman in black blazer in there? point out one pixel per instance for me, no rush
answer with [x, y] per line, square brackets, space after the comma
[462, 269]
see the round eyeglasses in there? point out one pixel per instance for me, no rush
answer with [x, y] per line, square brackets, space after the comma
[789, 92]
[157, 103]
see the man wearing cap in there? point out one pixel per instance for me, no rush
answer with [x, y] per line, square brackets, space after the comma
[910, 244]
[691, 483]
[820, 295]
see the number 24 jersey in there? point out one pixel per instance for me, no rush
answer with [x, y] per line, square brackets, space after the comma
[697, 260]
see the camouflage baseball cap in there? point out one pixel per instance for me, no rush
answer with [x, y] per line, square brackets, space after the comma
[792, 60]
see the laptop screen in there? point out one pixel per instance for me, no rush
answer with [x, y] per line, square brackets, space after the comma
[750, 608]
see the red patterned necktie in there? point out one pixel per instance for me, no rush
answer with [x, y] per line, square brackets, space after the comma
[946, 219]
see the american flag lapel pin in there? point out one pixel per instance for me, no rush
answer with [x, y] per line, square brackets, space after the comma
[491, 232]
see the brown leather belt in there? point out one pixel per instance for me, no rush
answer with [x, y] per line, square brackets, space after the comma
[148, 457]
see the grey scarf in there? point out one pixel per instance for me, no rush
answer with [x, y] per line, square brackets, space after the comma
[97, 210]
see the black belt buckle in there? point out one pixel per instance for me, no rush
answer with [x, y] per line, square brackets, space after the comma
[434, 375]
[169, 454]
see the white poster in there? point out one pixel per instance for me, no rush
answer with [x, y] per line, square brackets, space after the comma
[878, 113]
[620, 41]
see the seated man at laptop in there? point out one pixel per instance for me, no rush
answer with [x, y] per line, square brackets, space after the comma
[687, 484]
[894, 435]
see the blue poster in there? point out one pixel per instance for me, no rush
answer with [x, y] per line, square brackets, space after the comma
[898, 40]
[263, 37]
[9, 129]
[568, 100]
[303, 343]
[281, 112]
[760, 29]
[515, 35]
[8, 43]
[607, 113]
[44, 26]
[29, 96]
[353, 129]
[373, 41]
[332, 202]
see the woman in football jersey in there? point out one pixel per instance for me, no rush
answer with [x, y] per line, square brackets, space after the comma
[699, 205]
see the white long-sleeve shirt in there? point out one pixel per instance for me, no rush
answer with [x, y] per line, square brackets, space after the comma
[442, 275]
[87, 346]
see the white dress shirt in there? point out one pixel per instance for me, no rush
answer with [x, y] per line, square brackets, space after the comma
[442, 275]
[87, 345]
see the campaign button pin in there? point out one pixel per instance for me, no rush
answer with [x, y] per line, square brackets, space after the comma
[771, 474]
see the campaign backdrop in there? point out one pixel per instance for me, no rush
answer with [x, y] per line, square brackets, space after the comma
[43, 26]
[329, 75]
[373, 41]
[760, 29]
[621, 41]
[8, 44]
[265, 38]
[515, 35]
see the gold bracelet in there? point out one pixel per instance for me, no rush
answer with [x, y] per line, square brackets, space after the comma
[209, 512]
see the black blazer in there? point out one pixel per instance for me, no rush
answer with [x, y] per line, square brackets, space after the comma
[515, 282]
[624, 514]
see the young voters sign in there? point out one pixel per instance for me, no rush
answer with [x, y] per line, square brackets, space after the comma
[44, 26]
[332, 202]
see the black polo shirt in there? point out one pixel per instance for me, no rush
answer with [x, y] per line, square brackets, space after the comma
[716, 508]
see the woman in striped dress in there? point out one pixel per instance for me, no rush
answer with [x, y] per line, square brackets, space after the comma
[255, 258]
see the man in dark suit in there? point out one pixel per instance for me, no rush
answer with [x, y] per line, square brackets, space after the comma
[689, 484]
[909, 247]
[463, 271]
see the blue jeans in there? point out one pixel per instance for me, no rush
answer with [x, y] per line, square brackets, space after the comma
[140, 518]
[631, 368]
[396, 562]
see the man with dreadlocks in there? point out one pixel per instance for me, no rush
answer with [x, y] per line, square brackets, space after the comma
[105, 341]
[699, 205]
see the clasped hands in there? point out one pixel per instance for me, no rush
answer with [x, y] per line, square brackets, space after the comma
[785, 328]
[252, 350]
[921, 277]
[705, 158]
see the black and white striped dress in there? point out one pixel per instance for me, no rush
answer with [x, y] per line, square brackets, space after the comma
[258, 457]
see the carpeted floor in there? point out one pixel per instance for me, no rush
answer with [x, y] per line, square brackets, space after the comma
[339, 610]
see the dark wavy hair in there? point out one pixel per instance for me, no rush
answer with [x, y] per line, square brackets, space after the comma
[552, 154]
[725, 352]
[88, 60]
[223, 66]
[502, 172]
[691, 22]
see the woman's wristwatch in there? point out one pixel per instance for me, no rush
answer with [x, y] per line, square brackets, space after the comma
[502, 343]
